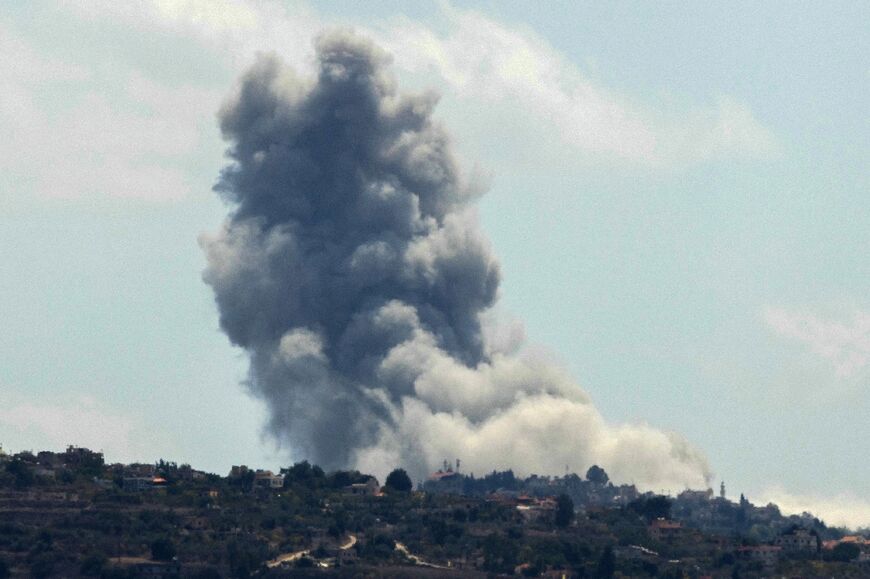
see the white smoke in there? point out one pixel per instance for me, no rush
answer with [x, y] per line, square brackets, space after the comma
[353, 271]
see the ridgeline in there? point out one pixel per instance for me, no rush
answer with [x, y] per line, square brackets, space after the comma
[69, 514]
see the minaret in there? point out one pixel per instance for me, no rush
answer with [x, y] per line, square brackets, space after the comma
[722, 490]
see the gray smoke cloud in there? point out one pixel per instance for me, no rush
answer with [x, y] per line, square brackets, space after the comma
[353, 272]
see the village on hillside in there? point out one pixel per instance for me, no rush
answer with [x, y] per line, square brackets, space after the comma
[70, 514]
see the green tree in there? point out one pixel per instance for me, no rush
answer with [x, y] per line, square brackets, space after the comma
[343, 478]
[245, 558]
[398, 480]
[657, 507]
[596, 475]
[564, 510]
[42, 566]
[92, 565]
[606, 564]
[380, 547]
[20, 470]
[303, 473]
[305, 563]
[162, 550]
[499, 554]
[845, 552]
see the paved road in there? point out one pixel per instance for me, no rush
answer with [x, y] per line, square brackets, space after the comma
[351, 541]
[417, 560]
[287, 558]
[296, 555]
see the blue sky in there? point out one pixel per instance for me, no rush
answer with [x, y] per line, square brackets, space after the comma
[678, 195]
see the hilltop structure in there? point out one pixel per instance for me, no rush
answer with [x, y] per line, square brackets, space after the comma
[165, 520]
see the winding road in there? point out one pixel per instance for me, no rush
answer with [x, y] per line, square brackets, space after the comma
[417, 560]
[296, 555]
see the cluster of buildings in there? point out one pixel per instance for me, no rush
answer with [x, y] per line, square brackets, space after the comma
[445, 480]
[584, 493]
[862, 545]
[802, 543]
[263, 479]
[530, 507]
[48, 464]
[266, 479]
[139, 477]
[794, 543]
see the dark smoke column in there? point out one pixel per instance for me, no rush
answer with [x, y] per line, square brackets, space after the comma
[348, 209]
[352, 271]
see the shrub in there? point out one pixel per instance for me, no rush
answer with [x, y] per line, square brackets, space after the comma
[42, 566]
[92, 565]
[208, 573]
[398, 480]
[162, 550]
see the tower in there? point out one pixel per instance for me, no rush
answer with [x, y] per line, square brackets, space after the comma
[722, 490]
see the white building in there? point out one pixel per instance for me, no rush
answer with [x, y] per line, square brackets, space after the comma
[269, 480]
[798, 541]
[370, 488]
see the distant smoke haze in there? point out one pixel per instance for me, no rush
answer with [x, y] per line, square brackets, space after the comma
[353, 272]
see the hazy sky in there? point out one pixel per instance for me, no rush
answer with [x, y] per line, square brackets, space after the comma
[679, 196]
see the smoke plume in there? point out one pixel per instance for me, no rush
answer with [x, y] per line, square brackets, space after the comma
[353, 272]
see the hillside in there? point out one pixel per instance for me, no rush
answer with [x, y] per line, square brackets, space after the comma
[70, 514]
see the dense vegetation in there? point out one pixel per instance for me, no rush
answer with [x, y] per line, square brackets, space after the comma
[80, 519]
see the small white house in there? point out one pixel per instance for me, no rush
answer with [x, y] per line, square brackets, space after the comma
[370, 488]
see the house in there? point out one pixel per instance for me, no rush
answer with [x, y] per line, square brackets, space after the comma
[48, 459]
[80, 456]
[444, 481]
[238, 471]
[533, 509]
[104, 483]
[664, 530]
[862, 544]
[197, 523]
[696, 496]
[767, 555]
[347, 556]
[370, 488]
[268, 480]
[43, 472]
[798, 541]
[137, 484]
[505, 497]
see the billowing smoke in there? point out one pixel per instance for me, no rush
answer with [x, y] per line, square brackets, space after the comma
[353, 272]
